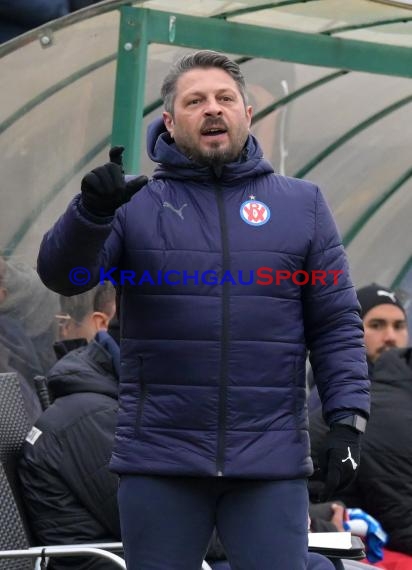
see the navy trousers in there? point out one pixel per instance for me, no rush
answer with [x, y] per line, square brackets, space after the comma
[167, 522]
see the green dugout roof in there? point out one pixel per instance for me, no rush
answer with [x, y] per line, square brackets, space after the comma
[330, 82]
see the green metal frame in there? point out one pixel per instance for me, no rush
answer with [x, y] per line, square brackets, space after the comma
[140, 27]
[130, 84]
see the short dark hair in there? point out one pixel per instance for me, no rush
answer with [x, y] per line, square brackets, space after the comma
[97, 299]
[77, 306]
[104, 298]
[203, 59]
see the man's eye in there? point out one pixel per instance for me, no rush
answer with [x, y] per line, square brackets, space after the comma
[193, 101]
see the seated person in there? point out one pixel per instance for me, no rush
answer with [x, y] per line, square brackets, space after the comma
[382, 488]
[68, 491]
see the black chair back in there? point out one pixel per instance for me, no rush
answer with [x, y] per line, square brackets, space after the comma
[14, 426]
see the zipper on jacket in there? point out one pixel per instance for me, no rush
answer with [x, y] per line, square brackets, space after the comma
[224, 351]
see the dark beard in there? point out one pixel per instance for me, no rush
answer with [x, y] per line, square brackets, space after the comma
[211, 158]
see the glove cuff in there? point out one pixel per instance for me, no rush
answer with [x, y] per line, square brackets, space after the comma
[355, 421]
[345, 431]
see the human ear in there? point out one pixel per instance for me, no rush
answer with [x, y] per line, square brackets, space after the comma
[169, 122]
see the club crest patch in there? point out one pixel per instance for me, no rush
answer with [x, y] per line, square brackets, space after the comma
[254, 213]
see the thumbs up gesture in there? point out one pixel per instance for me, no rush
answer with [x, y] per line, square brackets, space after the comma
[105, 189]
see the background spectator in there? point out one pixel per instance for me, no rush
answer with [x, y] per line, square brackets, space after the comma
[68, 490]
[383, 487]
[83, 315]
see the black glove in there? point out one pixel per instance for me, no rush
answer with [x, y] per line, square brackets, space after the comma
[340, 459]
[104, 189]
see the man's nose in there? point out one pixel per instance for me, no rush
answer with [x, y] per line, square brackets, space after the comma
[213, 107]
[390, 335]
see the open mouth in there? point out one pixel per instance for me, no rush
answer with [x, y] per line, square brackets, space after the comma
[213, 132]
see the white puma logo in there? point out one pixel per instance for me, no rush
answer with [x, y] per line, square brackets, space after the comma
[354, 464]
[387, 294]
[177, 211]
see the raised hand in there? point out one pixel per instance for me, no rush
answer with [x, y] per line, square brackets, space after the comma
[105, 189]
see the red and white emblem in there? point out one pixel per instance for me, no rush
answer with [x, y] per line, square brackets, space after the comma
[254, 213]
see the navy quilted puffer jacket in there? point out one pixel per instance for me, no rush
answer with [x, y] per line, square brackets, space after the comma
[213, 370]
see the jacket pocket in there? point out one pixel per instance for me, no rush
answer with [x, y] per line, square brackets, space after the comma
[143, 397]
[299, 403]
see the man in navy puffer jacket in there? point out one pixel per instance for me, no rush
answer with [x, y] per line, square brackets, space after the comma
[212, 425]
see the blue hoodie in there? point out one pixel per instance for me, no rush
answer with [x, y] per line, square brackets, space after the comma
[212, 375]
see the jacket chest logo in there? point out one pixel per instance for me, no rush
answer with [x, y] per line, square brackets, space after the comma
[254, 213]
[177, 211]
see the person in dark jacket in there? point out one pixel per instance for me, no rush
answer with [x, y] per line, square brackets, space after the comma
[382, 487]
[385, 326]
[215, 327]
[67, 488]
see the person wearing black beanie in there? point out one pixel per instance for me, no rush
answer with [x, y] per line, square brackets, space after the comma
[372, 295]
[382, 486]
[384, 320]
